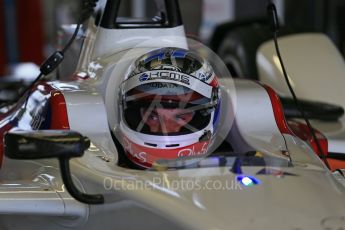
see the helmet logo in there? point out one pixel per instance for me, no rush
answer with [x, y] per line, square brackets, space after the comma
[141, 156]
[144, 77]
[202, 77]
[167, 75]
[189, 152]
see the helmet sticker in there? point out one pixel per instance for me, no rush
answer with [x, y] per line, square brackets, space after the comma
[168, 77]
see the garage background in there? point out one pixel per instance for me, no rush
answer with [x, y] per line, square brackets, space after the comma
[29, 29]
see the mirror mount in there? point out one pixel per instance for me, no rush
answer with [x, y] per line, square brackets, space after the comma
[73, 190]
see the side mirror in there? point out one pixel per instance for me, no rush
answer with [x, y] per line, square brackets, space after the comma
[61, 144]
[45, 144]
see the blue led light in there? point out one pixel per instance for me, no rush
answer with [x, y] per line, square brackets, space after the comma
[247, 181]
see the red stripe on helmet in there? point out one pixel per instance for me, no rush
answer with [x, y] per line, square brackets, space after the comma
[148, 156]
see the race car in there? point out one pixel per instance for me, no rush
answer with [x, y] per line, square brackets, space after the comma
[66, 145]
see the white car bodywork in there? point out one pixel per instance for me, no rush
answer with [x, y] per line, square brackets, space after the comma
[34, 195]
[295, 189]
[316, 70]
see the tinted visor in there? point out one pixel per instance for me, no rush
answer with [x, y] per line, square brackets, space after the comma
[179, 60]
[163, 108]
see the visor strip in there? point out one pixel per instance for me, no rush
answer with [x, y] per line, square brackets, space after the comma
[167, 76]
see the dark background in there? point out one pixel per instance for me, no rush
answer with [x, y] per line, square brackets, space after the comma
[28, 29]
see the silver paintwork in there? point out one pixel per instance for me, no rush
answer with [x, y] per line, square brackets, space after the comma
[284, 202]
[33, 196]
[316, 70]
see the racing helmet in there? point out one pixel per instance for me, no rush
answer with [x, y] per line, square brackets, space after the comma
[169, 106]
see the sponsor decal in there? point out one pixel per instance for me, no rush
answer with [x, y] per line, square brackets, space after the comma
[38, 117]
[160, 85]
[141, 156]
[204, 76]
[145, 155]
[174, 76]
[143, 77]
[188, 152]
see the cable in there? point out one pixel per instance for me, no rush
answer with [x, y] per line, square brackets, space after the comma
[51, 63]
[87, 10]
[272, 13]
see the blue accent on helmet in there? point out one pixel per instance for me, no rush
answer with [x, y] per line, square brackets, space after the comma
[216, 114]
[202, 77]
[158, 56]
[161, 55]
[179, 53]
[144, 77]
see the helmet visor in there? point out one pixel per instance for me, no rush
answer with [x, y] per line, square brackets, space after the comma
[166, 108]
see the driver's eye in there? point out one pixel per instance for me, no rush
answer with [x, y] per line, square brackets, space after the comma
[153, 116]
[180, 118]
[183, 117]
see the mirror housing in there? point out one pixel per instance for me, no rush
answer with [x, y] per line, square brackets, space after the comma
[61, 144]
[34, 144]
